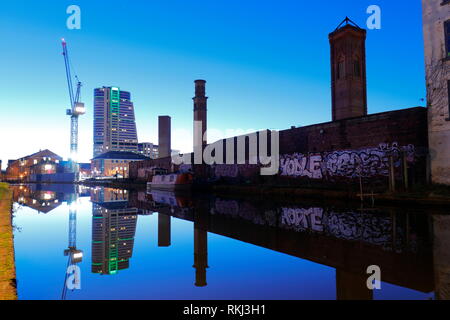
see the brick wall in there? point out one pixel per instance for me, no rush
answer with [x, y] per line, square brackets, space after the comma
[335, 152]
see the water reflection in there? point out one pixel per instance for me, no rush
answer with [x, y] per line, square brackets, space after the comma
[409, 245]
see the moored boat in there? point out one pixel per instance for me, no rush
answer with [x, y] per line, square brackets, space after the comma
[171, 182]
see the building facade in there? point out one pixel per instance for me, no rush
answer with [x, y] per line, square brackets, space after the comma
[42, 162]
[113, 231]
[114, 164]
[436, 28]
[148, 150]
[114, 121]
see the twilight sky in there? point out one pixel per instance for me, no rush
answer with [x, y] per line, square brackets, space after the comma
[266, 63]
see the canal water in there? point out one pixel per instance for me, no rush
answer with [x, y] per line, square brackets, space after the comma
[75, 242]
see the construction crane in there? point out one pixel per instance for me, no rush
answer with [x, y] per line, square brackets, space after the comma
[74, 255]
[77, 109]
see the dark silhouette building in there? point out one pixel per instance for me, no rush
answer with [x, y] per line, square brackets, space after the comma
[164, 136]
[348, 71]
[200, 111]
[113, 232]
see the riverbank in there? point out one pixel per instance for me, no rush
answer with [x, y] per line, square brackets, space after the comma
[8, 289]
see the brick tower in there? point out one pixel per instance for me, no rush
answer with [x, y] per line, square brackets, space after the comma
[200, 111]
[348, 71]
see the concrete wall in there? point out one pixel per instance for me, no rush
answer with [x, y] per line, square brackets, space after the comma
[435, 13]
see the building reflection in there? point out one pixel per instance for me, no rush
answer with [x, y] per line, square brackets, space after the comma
[408, 244]
[113, 230]
[42, 198]
[201, 219]
[349, 240]
[164, 230]
[441, 245]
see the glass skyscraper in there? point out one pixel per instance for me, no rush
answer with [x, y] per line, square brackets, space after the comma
[114, 121]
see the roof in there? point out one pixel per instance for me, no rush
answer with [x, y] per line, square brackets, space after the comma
[85, 166]
[121, 155]
[347, 25]
[40, 153]
[347, 21]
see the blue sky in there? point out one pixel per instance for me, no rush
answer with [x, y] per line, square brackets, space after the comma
[266, 63]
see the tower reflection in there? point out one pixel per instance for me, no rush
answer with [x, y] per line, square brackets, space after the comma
[201, 244]
[113, 230]
[164, 230]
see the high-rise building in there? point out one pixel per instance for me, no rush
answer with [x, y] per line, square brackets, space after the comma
[114, 121]
[149, 150]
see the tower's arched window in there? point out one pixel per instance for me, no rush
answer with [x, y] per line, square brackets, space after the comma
[447, 38]
[340, 72]
[357, 68]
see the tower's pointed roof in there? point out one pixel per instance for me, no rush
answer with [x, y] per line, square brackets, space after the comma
[347, 21]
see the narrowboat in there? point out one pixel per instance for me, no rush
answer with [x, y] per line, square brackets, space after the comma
[170, 182]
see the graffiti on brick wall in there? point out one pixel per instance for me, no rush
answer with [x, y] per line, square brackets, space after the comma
[302, 219]
[370, 228]
[228, 171]
[366, 162]
[246, 211]
[299, 165]
[375, 229]
[235, 170]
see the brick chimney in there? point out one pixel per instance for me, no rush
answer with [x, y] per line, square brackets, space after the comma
[200, 111]
[348, 71]
[164, 138]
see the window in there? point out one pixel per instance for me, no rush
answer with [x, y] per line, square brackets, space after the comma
[448, 90]
[357, 68]
[340, 70]
[447, 38]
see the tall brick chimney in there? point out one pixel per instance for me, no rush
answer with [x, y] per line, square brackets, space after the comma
[348, 71]
[200, 111]
[164, 128]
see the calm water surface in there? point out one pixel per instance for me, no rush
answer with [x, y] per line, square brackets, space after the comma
[165, 246]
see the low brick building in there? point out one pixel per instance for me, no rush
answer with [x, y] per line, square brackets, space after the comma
[114, 164]
[42, 162]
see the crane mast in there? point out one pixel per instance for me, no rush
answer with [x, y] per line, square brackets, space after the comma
[77, 109]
